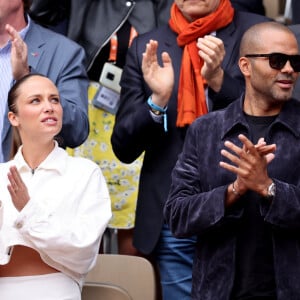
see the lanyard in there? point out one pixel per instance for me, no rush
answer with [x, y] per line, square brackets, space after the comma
[114, 44]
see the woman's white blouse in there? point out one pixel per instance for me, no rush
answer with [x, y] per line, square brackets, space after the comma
[68, 211]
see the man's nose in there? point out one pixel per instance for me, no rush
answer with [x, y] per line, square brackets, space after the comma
[287, 68]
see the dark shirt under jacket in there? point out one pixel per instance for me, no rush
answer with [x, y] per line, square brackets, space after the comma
[196, 201]
[254, 279]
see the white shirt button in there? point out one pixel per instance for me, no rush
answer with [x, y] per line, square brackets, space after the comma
[19, 224]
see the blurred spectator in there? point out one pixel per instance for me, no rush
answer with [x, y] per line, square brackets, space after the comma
[27, 47]
[114, 16]
[120, 22]
[202, 40]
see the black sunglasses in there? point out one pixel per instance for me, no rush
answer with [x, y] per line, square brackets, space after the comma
[278, 60]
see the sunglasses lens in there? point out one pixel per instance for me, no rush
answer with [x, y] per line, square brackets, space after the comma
[295, 62]
[277, 60]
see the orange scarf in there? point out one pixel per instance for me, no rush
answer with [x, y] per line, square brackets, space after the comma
[191, 92]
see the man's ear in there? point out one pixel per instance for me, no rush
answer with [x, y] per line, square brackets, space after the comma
[13, 119]
[245, 66]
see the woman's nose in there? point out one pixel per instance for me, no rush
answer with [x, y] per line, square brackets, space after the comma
[48, 106]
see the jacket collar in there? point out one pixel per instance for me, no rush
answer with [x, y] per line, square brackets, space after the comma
[56, 161]
[35, 42]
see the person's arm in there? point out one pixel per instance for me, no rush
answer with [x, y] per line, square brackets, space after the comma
[19, 52]
[283, 210]
[280, 205]
[249, 164]
[196, 201]
[212, 51]
[72, 83]
[142, 77]
[219, 82]
[68, 232]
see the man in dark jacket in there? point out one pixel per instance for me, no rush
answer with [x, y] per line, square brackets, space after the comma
[236, 184]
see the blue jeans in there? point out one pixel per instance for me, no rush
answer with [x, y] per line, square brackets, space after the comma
[175, 259]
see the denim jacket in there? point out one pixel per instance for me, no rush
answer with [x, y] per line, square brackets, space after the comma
[195, 205]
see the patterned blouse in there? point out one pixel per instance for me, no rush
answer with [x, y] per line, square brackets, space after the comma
[122, 179]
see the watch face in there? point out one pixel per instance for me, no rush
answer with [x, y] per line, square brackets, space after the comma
[156, 112]
[272, 189]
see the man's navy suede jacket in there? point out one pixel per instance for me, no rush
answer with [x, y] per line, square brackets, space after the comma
[196, 201]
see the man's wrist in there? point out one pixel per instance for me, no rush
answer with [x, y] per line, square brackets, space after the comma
[216, 81]
[158, 111]
[26, 71]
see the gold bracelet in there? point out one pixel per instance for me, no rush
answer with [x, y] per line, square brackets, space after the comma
[235, 191]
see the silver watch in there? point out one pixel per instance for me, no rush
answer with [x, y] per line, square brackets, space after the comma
[271, 190]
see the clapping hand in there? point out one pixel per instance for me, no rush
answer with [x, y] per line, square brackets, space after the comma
[19, 52]
[159, 78]
[17, 189]
[249, 163]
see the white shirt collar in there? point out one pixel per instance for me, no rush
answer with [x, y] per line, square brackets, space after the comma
[56, 160]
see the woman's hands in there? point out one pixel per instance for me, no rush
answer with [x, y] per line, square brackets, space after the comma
[17, 189]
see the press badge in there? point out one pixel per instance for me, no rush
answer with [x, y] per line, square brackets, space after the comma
[108, 95]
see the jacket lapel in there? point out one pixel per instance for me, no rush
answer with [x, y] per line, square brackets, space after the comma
[35, 43]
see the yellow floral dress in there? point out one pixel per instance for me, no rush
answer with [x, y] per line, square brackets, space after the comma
[122, 179]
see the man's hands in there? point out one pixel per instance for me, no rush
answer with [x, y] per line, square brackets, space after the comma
[212, 51]
[17, 189]
[249, 163]
[160, 79]
[19, 52]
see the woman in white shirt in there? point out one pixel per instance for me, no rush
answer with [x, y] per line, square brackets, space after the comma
[54, 207]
